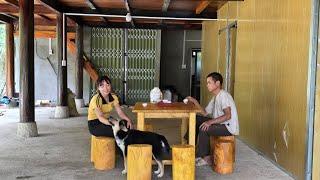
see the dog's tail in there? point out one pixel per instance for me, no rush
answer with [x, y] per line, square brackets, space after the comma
[165, 144]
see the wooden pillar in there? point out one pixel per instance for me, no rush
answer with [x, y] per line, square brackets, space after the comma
[79, 67]
[9, 60]
[27, 126]
[62, 68]
[62, 110]
[79, 62]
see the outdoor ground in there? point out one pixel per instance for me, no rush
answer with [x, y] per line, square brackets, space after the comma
[62, 151]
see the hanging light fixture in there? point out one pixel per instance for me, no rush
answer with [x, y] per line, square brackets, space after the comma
[128, 17]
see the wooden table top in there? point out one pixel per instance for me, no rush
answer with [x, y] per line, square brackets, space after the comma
[176, 107]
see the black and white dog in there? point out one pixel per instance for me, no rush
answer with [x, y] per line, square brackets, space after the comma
[125, 137]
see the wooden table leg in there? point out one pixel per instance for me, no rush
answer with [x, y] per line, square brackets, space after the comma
[192, 128]
[140, 123]
[184, 127]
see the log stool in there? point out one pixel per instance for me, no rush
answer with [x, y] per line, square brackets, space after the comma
[223, 154]
[103, 152]
[139, 162]
[183, 162]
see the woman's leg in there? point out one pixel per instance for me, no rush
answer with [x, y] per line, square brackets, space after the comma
[97, 128]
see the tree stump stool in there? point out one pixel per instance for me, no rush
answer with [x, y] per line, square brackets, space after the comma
[223, 154]
[183, 162]
[103, 152]
[139, 162]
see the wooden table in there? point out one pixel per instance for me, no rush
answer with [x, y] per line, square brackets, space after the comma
[174, 110]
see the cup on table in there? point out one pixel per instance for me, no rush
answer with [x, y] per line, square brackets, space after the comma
[185, 101]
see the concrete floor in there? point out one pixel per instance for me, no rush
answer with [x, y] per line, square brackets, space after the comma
[62, 151]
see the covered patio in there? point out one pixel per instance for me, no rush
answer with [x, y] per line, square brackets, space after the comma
[267, 52]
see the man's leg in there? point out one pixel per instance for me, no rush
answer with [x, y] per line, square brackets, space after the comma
[203, 146]
[199, 121]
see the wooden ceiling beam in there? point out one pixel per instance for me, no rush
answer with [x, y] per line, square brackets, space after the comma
[165, 5]
[38, 9]
[6, 19]
[202, 6]
[14, 3]
[127, 5]
[45, 17]
[93, 6]
[15, 18]
[145, 26]
[48, 34]
[150, 13]
[52, 4]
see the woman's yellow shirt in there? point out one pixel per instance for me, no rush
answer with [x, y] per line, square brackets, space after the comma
[105, 107]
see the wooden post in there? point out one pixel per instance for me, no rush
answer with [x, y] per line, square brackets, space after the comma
[61, 110]
[184, 128]
[192, 129]
[183, 162]
[79, 62]
[10, 60]
[27, 126]
[140, 123]
[79, 67]
[62, 69]
[139, 162]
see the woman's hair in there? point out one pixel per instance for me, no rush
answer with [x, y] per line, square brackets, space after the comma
[101, 79]
[99, 82]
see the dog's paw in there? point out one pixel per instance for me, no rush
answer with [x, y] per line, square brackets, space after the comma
[160, 175]
[157, 171]
[124, 171]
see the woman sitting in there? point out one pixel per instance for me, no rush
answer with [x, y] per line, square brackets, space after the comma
[100, 107]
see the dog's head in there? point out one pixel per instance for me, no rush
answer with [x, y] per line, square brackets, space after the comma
[118, 124]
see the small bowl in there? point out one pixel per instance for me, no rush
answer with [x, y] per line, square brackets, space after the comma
[144, 104]
[185, 101]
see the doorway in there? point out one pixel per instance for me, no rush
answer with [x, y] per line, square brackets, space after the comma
[195, 73]
[227, 55]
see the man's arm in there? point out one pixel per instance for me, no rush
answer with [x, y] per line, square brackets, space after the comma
[223, 118]
[227, 115]
[196, 103]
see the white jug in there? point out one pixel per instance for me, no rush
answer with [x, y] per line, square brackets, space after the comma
[155, 95]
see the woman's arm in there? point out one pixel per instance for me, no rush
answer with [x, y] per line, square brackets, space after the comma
[101, 117]
[122, 115]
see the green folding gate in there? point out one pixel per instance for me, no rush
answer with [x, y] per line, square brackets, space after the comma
[130, 57]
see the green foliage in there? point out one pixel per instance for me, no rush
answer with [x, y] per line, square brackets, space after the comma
[2, 56]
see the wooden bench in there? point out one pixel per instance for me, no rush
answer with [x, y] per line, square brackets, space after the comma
[223, 152]
[103, 152]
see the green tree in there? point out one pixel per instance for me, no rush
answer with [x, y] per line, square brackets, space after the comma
[2, 56]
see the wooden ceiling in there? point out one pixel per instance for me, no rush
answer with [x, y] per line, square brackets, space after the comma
[45, 12]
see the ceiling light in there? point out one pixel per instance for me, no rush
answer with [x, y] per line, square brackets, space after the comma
[128, 17]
